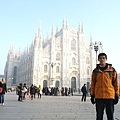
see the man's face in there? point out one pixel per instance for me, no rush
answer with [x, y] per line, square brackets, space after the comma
[102, 60]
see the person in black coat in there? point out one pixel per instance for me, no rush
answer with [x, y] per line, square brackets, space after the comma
[19, 87]
[32, 91]
[4, 86]
[84, 92]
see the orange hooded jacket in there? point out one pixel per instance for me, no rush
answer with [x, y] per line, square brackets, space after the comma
[102, 86]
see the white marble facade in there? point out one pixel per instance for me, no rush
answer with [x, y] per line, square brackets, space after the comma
[62, 60]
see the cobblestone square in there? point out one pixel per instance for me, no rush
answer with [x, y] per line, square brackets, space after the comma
[49, 108]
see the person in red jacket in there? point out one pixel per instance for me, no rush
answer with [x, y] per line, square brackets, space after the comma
[104, 88]
[1, 94]
[3, 90]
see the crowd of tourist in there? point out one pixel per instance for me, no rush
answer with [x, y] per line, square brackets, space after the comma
[36, 92]
[64, 91]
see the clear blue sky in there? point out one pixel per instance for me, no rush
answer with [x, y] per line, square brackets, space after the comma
[19, 20]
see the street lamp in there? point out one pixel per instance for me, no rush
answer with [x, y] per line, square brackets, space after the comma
[52, 65]
[97, 46]
[10, 82]
[96, 49]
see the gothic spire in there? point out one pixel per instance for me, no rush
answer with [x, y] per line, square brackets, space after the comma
[90, 38]
[82, 28]
[52, 33]
[39, 30]
[91, 43]
[56, 29]
[79, 27]
[63, 23]
[66, 23]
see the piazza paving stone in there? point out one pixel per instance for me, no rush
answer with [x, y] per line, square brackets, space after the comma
[50, 108]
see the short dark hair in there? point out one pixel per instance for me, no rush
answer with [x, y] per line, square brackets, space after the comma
[102, 54]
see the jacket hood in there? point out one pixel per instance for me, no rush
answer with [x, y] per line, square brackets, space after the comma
[109, 67]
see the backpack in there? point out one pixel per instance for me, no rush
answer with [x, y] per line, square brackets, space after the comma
[82, 89]
[1, 89]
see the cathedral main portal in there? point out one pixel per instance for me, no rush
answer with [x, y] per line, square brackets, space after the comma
[45, 83]
[57, 84]
[73, 82]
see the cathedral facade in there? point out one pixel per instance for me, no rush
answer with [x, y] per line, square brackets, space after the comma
[62, 60]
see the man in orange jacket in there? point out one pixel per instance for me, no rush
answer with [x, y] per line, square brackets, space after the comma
[104, 88]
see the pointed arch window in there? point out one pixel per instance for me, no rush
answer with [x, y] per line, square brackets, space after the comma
[45, 68]
[57, 56]
[87, 60]
[88, 71]
[73, 44]
[57, 69]
[73, 61]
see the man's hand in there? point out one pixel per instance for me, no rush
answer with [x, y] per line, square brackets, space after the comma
[116, 99]
[92, 99]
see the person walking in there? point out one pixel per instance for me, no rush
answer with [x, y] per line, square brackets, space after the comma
[1, 94]
[4, 90]
[35, 91]
[25, 91]
[39, 91]
[20, 94]
[32, 91]
[84, 92]
[104, 88]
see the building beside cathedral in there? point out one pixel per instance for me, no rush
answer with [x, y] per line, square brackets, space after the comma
[62, 60]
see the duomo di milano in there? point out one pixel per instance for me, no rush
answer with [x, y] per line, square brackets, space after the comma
[62, 60]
